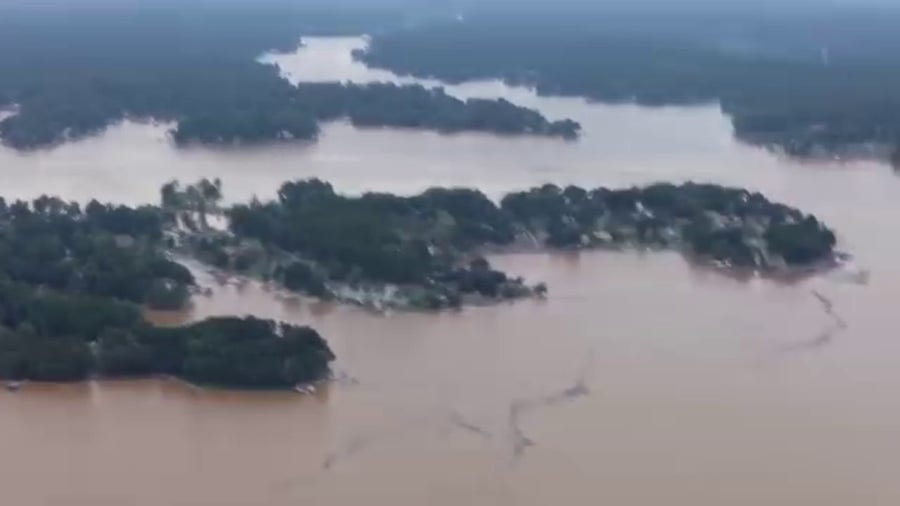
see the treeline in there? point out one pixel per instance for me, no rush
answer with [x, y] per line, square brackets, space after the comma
[72, 74]
[53, 336]
[781, 91]
[296, 116]
[423, 241]
[72, 284]
[321, 240]
[735, 227]
[101, 250]
[414, 106]
[71, 280]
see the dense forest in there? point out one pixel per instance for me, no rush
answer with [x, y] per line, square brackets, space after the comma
[102, 250]
[427, 247]
[730, 226]
[316, 241]
[295, 115]
[71, 73]
[808, 81]
[72, 283]
[54, 336]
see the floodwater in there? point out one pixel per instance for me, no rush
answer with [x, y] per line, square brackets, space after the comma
[641, 380]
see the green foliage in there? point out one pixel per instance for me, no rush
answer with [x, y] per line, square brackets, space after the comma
[802, 242]
[478, 278]
[301, 277]
[254, 353]
[50, 337]
[55, 313]
[198, 199]
[166, 295]
[121, 353]
[296, 116]
[403, 240]
[782, 75]
[13, 355]
[71, 79]
[734, 226]
[105, 250]
[70, 282]
[424, 240]
[247, 126]
[27, 355]
[57, 359]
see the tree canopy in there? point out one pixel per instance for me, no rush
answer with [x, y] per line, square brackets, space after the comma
[72, 74]
[72, 283]
[782, 77]
[315, 240]
[101, 250]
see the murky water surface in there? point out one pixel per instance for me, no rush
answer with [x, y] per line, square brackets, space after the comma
[640, 381]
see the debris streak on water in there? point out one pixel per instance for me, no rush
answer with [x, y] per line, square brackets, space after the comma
[825, 337]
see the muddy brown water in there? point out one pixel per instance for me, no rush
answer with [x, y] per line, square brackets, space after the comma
[641, 380]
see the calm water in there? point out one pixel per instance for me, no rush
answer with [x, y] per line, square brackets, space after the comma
[702, 390]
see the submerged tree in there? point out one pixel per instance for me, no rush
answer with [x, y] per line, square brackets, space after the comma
[200, 199]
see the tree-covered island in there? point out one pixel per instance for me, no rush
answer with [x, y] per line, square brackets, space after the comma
[425, 251]
[72, 283]
[295, 114]
[73, 280]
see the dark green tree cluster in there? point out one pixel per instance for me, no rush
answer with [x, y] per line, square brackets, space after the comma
[296, 115]
[73, 73]
[253, 352]
[193, 203]
[478, 277]
[783, 76]
[420, 240]
[279, 123]
[103, 250]
[426, 240]
[800, 242]
[303, 277]
[726, 224]
[47, 335]
[414, 106]
[70, 284]
[52, 336]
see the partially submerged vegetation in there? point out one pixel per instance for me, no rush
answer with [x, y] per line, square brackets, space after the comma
[70, 78]
[378, 249]
[55, 336]
[71, 285]
[297, 113]
[424, 251]
[782, 76]
[101, 250]
[275, 111]
[72, 280]
[780, 73]
[732, 227]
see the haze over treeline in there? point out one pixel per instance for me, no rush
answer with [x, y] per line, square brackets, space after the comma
[780, 69]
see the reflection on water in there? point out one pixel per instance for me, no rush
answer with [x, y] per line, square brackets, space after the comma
[641, 379]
